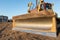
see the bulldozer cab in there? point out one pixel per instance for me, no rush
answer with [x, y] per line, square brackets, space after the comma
[46, 6]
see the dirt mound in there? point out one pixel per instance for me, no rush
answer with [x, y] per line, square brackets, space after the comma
[7, 34]
[14, 35]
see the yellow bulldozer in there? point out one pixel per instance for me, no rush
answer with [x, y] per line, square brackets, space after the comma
[38, 20]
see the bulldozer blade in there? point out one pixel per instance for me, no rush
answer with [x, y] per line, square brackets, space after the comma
[42, 25]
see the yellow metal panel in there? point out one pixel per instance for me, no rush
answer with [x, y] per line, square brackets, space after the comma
[13, 23]
[53, 29]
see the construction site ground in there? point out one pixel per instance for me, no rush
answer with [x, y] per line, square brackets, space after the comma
[6, 33]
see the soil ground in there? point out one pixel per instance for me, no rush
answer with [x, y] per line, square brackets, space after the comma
[6, 33]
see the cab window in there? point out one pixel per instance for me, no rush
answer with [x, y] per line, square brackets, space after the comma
[48, 6]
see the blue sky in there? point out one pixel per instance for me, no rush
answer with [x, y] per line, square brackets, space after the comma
[17, 7]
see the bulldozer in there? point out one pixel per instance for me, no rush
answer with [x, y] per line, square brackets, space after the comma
[38, 20]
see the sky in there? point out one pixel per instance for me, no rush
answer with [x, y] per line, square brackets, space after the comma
[12, 8]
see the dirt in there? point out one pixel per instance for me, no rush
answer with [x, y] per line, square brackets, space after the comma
[6, 33]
